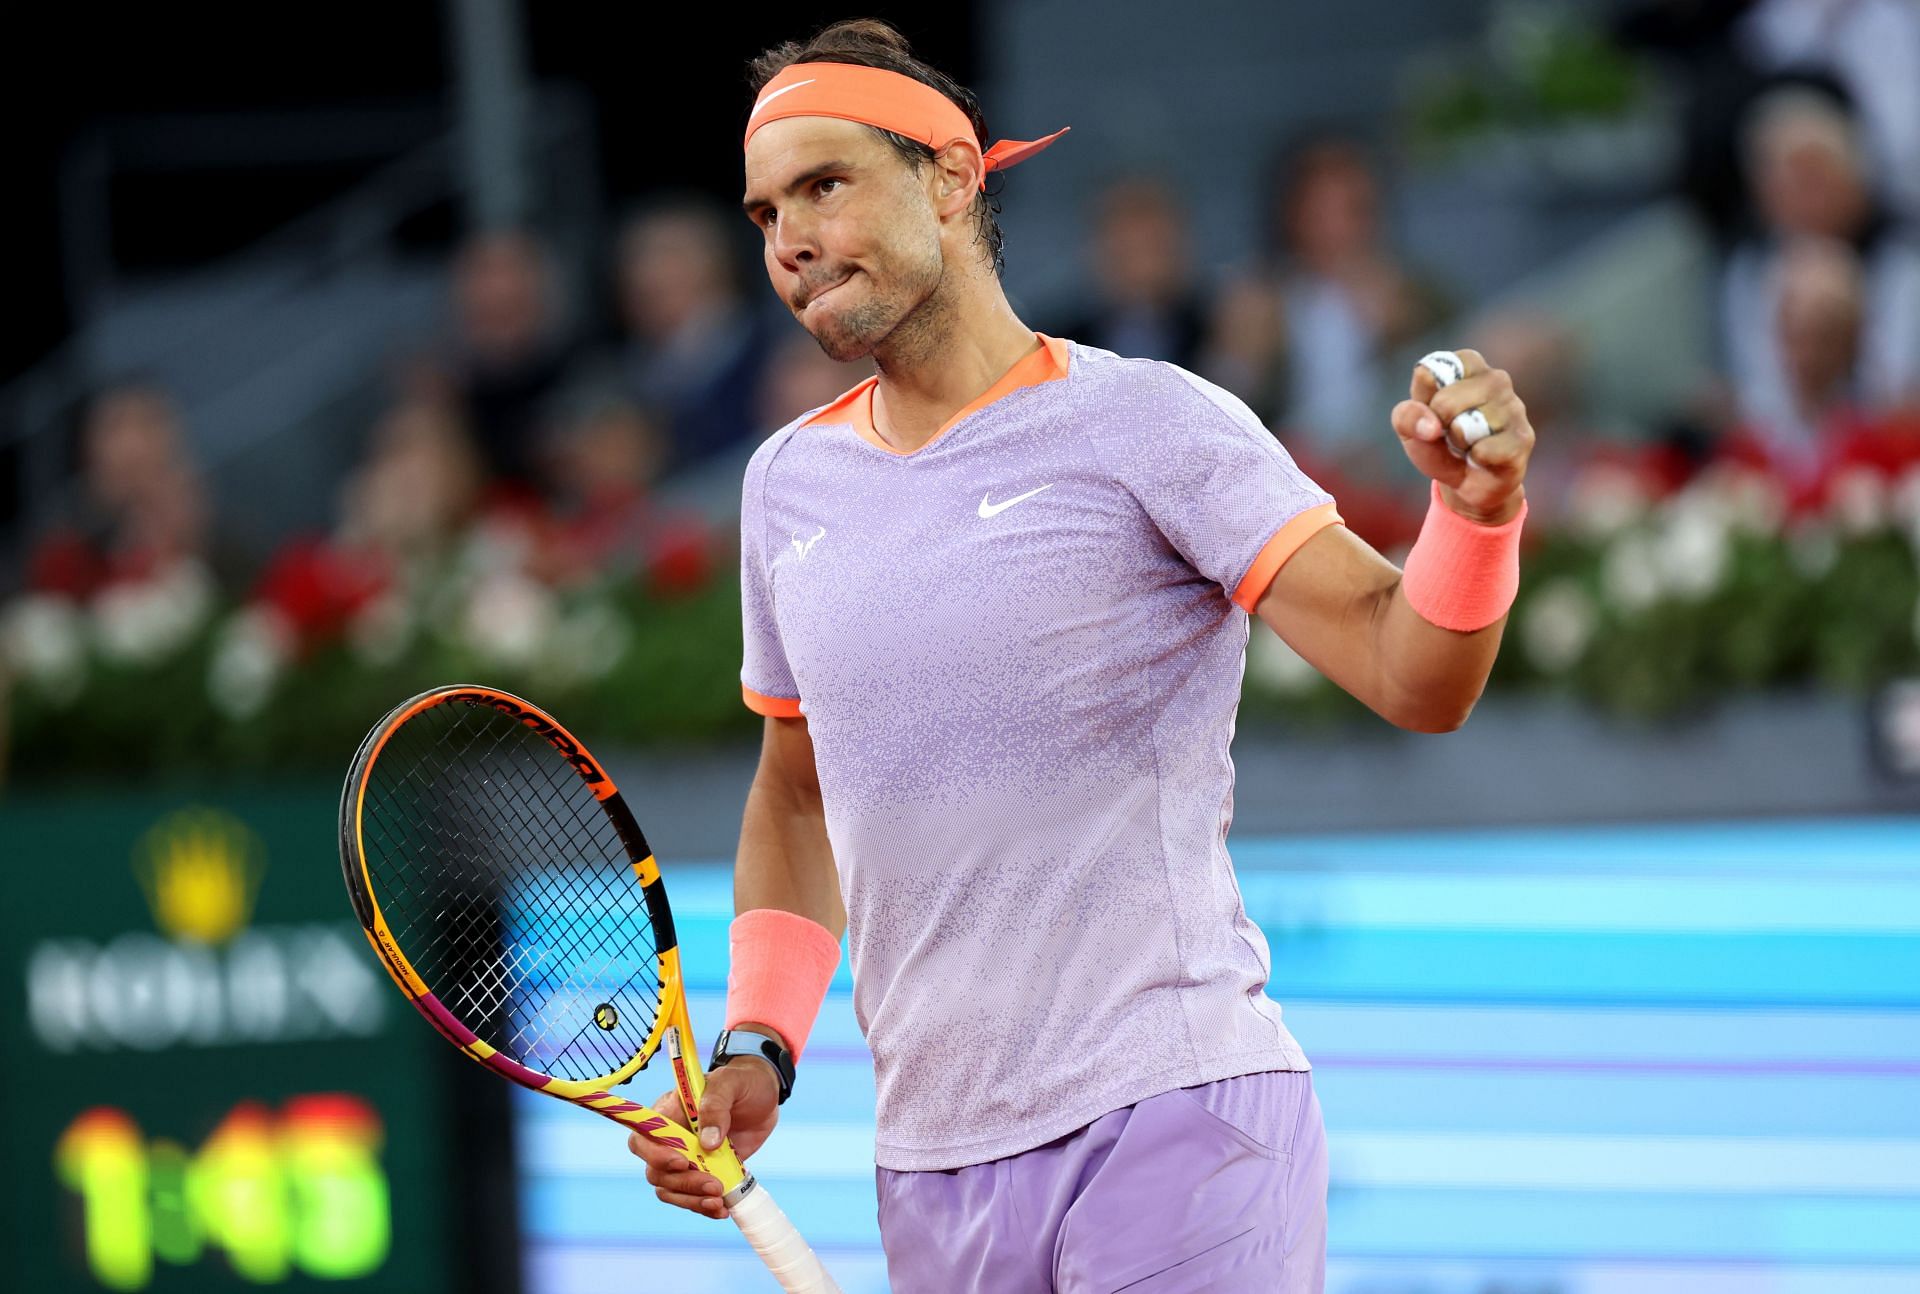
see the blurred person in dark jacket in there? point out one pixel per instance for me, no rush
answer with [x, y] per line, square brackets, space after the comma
[1146, 300]
[696, 351]
[142, 507]
[1341, 302]
[1809, 181]
[510, 350]
[1712, 79]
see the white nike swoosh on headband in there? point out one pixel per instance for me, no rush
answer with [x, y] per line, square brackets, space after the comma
[776, 94]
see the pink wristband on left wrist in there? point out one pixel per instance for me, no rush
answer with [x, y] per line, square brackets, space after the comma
[781, 965]
[1462, 575]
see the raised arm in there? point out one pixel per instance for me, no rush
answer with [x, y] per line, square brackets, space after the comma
[1378, 632]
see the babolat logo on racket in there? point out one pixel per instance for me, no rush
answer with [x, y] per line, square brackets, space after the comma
[569, 749]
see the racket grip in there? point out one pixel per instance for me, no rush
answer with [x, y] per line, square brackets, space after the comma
[780, 1246]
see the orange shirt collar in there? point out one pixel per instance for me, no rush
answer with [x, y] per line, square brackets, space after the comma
[855, 408]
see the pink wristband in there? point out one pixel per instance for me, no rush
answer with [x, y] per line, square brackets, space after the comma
[781, 965]
[1462, 575]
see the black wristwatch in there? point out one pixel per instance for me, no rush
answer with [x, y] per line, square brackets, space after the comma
[746, 1041]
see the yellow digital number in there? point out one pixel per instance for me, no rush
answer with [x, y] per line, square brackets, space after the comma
[340, 1207]
[301, 1191]
[102, 1157]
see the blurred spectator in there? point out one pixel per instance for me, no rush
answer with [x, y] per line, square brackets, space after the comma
[1822, 301]
[1820, 306]
[1542, 355]
[1809, 182]
[142, 509]
[1834, 434]
[1344, 301]
[601, 462]
[510, 350]
[1872, 48]
[418, 488]
[401, 512]
[696, 350]
[1146, 302]
[1713, 79]
[801, 378]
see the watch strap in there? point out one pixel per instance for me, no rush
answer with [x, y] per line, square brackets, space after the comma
[747, 1041]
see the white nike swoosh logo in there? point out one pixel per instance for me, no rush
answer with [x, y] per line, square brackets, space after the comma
[761, 106]
[995, 509]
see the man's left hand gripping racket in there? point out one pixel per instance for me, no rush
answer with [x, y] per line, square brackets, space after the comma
[507, 889]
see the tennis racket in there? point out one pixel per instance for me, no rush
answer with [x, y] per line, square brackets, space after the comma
[507, 889]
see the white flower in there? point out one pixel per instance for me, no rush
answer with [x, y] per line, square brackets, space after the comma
[495, 546]
[249, 656]
[1630, 573]
[507, 620]
[1812, 549]
[1605, 500]
[1858, 501]
[1558, 624]
[1279, 667]
[1692, 547]
[382, 631]
[146, 622]
[42, 641]
[1751, 501]
[586, 644]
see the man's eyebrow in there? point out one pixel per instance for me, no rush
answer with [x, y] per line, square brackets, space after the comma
[752, 203]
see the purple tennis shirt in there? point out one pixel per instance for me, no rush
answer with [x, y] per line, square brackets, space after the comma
[1019, 651]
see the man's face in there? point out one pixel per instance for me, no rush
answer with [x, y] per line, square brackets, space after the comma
[852, 241]
[1141, 246]
[1819, 319]
[1809, 185]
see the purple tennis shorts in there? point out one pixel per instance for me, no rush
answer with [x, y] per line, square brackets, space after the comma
[1219, 1188]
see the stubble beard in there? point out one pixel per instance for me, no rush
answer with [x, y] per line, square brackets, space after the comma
[885, 324]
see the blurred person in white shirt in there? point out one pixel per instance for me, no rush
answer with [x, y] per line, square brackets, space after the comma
[1315, 324]
[1872, 47]
[1809, 179]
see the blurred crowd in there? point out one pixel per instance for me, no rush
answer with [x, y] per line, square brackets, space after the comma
[523, 440]
[543, 438]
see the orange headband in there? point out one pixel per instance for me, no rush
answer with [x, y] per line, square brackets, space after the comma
[874, 96]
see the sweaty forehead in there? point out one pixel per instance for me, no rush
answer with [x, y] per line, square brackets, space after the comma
[781, 150]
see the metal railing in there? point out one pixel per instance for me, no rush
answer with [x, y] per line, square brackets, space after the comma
[359, 232]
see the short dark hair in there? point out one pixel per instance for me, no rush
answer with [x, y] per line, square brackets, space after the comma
[868, 42]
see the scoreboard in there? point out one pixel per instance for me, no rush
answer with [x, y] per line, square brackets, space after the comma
[206, 1081]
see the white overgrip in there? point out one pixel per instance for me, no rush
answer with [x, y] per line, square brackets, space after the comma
[780, 1245]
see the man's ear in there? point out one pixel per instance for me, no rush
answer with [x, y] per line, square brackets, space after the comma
[957, 171]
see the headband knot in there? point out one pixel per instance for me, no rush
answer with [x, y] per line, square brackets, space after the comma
[887, 100]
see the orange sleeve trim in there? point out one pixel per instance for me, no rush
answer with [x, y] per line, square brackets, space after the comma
[774, 707]
[1285, 543]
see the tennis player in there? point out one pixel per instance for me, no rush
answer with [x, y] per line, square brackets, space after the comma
[996, 604]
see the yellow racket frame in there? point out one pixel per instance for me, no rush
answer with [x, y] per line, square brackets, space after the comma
[672, 1027]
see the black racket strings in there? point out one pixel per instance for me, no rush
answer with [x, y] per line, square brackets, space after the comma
[507, 886]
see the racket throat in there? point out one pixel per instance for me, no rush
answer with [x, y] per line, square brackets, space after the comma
[683, 1078]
